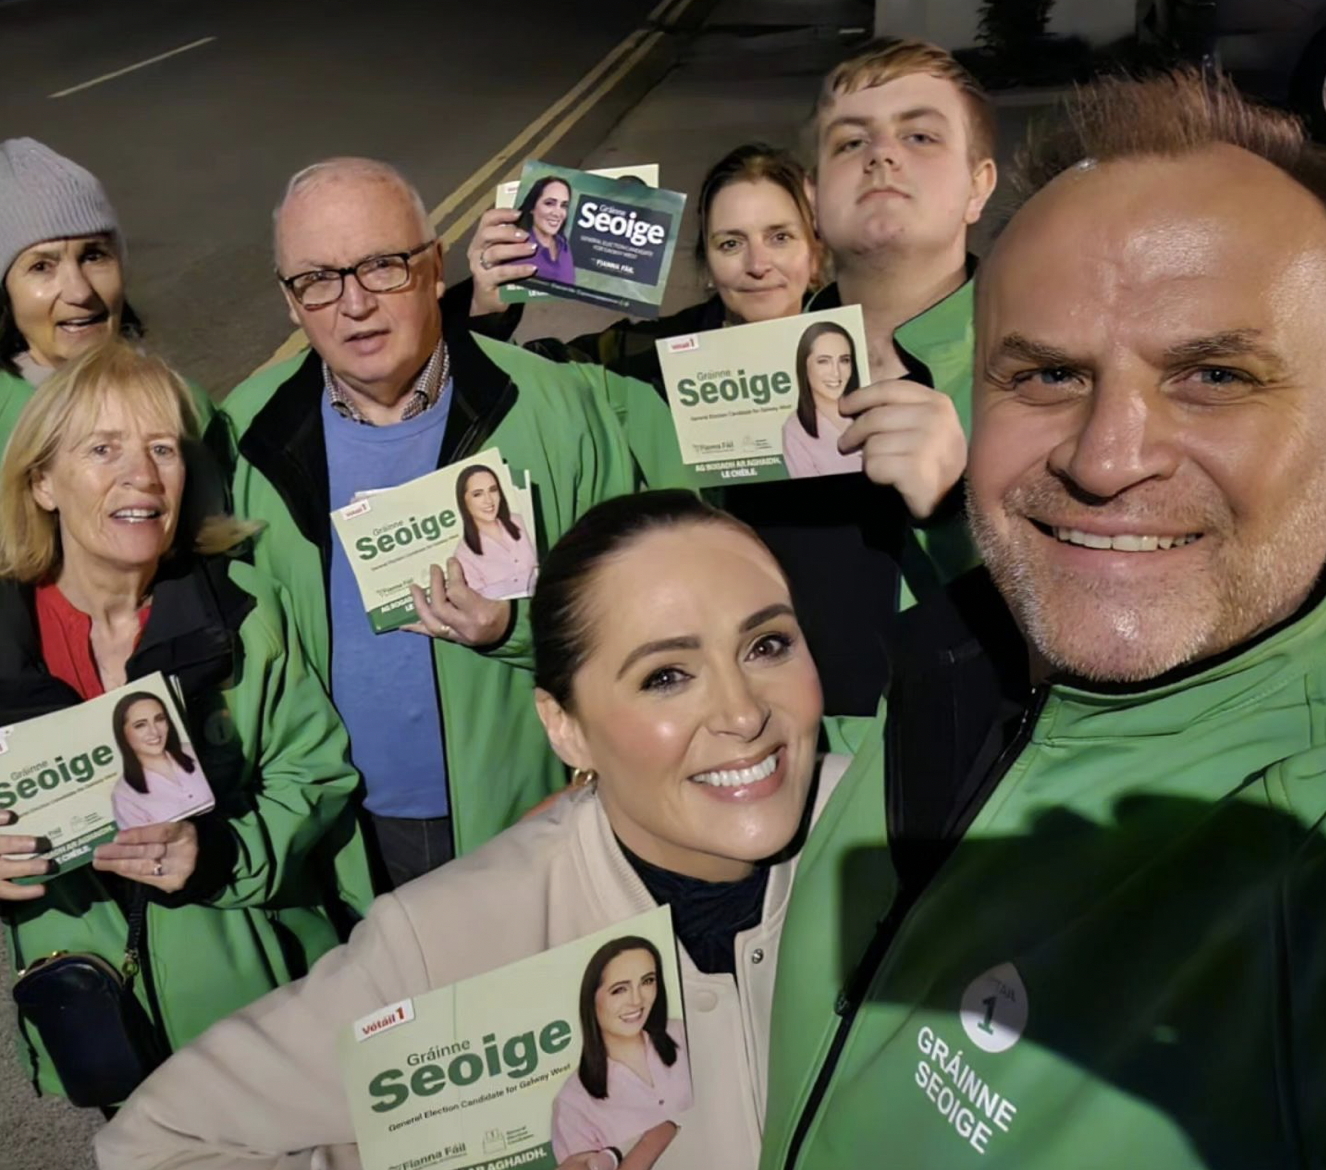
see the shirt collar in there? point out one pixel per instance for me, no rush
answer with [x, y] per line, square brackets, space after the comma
[425, 394]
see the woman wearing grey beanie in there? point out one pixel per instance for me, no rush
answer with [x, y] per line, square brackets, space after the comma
[61, 271]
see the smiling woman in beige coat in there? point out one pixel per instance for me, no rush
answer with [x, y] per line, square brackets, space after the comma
[673, 677]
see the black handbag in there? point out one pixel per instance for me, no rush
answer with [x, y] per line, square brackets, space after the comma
[99, 1038]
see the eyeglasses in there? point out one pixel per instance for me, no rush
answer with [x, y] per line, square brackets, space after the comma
[377, 274]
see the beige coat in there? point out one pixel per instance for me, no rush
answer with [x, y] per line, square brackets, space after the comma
[266, 1080]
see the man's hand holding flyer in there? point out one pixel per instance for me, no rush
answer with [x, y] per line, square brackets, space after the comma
[472, 510]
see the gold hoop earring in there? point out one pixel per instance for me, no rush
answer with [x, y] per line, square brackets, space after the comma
[583, 777]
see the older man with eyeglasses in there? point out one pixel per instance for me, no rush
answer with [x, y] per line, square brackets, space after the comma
[393, 386]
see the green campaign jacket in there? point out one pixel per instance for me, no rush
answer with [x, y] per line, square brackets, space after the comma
[1120, 963]
[583, 435]
[14, 395]
[281, 865]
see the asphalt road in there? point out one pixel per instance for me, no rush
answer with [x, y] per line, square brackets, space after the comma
[195, 149]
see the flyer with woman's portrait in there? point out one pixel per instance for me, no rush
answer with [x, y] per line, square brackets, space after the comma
[121, 760]
[760, 402]
[578, 1051]
[600, 240]
[508, 193]
[472, 510]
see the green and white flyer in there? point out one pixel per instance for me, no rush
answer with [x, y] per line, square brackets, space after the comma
[646, 173]
[527, 1065]
[472, 510]
[759, 402]
[121, 760]
[606, 242]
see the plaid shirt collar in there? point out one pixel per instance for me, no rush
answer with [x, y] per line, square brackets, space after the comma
[426, 393]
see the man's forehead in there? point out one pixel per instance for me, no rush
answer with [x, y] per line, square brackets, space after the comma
[346, 214]
[1220, 215]
[911, 94]
[1211, 197]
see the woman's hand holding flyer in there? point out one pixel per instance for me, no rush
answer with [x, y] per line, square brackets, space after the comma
[499, 253]
[603, 237]
[161, 856]
[24, 866]
[111, 780]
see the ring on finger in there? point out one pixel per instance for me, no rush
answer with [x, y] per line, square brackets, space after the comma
[445, 630]
[484, 262]
[158, 870]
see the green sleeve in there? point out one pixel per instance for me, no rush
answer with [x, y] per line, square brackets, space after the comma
[842, 880]
[1296, 791]
[517, 648]
[300, 798]
[620, 347]
[647, 423]
[639, 426]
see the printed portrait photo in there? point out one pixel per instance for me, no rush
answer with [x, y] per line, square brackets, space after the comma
[826, 369]
[496, 550]
[634, 1073]
[162, 779]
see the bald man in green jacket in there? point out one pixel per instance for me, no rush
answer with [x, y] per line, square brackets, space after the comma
[1064, 909]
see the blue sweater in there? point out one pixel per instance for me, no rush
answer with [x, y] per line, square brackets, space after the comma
[383, 684]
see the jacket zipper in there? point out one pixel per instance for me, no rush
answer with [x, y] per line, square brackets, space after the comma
[858, 983]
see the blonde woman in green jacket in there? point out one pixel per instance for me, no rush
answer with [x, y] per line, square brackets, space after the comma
[102, 581]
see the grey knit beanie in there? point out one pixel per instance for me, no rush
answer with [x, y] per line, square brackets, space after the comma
[45, 196]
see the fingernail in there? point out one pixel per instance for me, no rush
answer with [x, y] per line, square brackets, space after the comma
[521, 234]
[40, 845]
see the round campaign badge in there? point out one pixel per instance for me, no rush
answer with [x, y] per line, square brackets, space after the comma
[994, 1009]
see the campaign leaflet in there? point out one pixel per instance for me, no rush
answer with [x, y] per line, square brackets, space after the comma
[614, 238]
[486, 1074]
[121, 760]
[760, 402]
[472, 510]
[646, 173]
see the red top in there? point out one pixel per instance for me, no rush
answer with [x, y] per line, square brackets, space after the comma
[66, 641]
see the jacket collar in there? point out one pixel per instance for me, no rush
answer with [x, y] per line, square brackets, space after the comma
[1231, 685]
[286, 441]
[192, 633]
[967, 630]
[927, 341]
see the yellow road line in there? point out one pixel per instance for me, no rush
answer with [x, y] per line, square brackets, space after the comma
[625, 56]
[558, 132]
